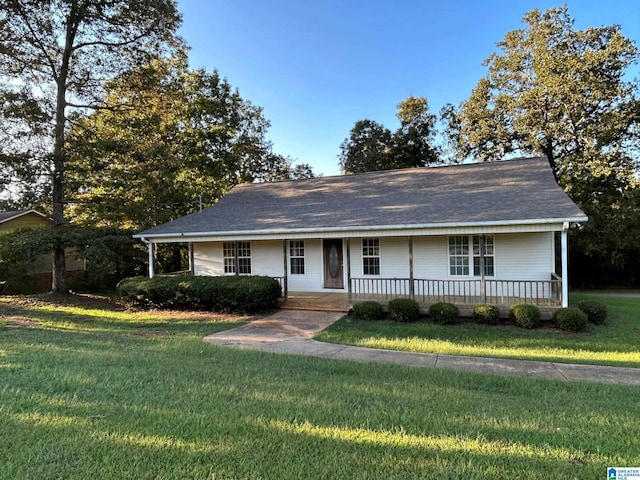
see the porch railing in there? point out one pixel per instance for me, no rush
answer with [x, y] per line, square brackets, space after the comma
[465, 292]
[284, 293]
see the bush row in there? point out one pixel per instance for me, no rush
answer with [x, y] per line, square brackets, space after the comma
[523, 315]
[237, 294]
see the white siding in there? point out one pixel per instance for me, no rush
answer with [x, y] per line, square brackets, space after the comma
[518, 256]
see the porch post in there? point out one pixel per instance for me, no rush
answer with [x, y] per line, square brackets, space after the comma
[235, 257]
[349, 270]
[191, 262]
[565, 265]
[150, 247]
[412, 294]
[483, 293]
[285, 287]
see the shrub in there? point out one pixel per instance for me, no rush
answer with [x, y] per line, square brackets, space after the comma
[596, 312]
[489, 314]
[570, 319]
[525, 315]
[239, 294]
[368, 310]
[404, 310]
[444, 313]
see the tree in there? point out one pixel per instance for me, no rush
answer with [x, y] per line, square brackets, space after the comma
[561, 93]
[371, 146]
[412, 145]
[55, 56]
[367, 148]
[182, 137]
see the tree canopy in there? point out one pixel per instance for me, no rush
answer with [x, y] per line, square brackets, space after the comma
[563, 93]
[181, 136]
[55, 56]
[371, 146]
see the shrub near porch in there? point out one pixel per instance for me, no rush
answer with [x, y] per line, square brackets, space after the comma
[615, 343]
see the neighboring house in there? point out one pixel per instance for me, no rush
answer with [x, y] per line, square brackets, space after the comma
[471, 233]
[38, 278]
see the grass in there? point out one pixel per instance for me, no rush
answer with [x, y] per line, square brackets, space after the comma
[87, 391]
[617, 343]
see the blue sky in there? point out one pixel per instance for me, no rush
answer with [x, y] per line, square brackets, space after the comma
[318, 67]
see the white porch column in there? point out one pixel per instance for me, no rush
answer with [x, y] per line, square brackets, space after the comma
[565, 265]
[150, 247]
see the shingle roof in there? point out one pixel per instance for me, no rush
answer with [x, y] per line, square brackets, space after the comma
[512, 191]
[10, 214]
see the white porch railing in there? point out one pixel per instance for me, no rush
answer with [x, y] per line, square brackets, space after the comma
[465, 292]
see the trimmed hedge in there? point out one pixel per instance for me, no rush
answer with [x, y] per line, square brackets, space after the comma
[570, 319]
[525, 315]
[444, 313]
[237, 294]
[596, 312]
[488, 314]
[368, 310]
[404, 310]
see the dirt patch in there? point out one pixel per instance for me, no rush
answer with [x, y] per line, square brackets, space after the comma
[17, 320]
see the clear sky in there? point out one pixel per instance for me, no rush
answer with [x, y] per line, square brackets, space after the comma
[316, 67]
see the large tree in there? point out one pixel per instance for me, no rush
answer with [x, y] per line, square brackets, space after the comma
[562, 93]
[55, 56]
[183, 137]
[371, 146]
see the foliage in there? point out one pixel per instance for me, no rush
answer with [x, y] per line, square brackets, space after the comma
[94, 392]
[404, 310]
[525, 315]
[238, 294]
[183, 138]
[563, 93]
[444, 313]
[488, 314]
[368, 310]
[616, 343]
[111, 254]
[371, 146]
[596, 311]
[570, 319]
[55, 59]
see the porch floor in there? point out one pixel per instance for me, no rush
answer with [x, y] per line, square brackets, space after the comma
[339, 302]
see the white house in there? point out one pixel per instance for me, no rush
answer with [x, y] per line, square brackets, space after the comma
[472, 233]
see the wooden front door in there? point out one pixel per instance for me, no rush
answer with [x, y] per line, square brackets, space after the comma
[333, 275]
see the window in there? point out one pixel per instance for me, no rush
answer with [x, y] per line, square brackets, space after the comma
[487, 253]
[461, 256]
[296, 256]
[243, 255]
[371, 256]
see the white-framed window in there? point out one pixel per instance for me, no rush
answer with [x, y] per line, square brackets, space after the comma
[296, 257]
[243, 256]
[489, 263]
[371, 256]
[461, 256]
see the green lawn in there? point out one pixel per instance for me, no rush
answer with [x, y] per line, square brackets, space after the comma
[87, 392]
[617, 343]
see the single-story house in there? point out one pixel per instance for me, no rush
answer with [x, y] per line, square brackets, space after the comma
[38, 277]
[471, 233]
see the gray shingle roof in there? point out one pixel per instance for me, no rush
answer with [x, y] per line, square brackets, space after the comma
[511, 191]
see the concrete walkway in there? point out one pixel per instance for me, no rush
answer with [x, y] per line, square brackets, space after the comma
[291, 332]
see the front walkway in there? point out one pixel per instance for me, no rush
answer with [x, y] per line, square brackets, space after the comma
[291, 332]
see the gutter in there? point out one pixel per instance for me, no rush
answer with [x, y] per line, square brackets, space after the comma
[184, 235]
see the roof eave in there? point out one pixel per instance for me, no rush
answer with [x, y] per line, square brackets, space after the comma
[427, 226]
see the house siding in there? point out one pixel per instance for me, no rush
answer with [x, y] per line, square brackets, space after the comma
[517, 257]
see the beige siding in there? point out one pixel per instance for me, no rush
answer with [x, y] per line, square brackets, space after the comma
[28, 220]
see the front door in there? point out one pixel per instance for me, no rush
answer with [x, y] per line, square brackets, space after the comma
[333, 277]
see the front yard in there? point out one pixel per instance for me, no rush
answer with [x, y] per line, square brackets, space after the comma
[89, 391]
[617, 343]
